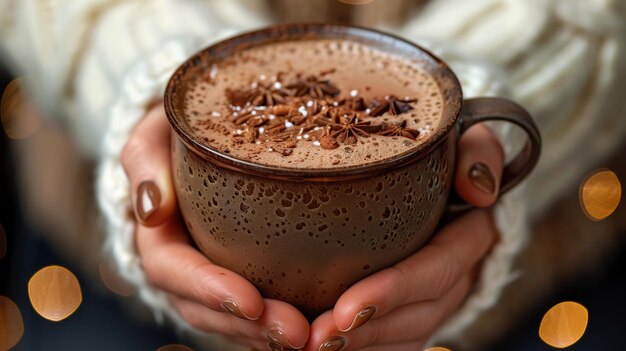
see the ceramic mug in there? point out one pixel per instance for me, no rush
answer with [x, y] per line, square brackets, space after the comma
[306, 235]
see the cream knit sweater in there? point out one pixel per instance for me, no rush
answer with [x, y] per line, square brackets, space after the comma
[99, 63]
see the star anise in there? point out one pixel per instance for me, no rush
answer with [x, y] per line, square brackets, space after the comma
[314, 106]
[314, 87]
[393, 104]
[353, 103]
[309, 107]
[324, 117]
[267, 95]
[330, 114]
[399, 129]
[347, 128]
[326, 140]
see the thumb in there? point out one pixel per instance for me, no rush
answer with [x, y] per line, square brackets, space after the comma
[479, 167]
[146, 160]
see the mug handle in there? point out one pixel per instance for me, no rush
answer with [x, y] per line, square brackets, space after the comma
[496, 109]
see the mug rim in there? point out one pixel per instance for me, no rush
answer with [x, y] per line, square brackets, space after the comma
[291, 31]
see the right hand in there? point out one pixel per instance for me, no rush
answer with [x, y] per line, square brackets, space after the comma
[210, 298]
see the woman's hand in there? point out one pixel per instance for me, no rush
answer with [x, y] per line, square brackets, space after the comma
[210, 298]
[399, 308]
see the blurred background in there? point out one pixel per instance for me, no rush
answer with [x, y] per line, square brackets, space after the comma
[577, 251]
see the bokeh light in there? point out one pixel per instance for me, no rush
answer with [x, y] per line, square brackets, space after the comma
[438, 348]
[18, 116]
[564, 324]
[3, 242]
[11, 324]
[54, 293]
[174, 347]
[356, 2]
[113, 281]
[600, 194]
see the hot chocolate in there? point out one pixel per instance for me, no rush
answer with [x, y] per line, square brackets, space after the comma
[308, 156]
[313, 104]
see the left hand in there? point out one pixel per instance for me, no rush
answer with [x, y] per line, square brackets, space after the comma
[210, 298]
[403, 305]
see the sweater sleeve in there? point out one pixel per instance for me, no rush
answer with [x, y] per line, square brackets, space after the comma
[104, 62]
[563, 61]
[79, 54]
[140, 83]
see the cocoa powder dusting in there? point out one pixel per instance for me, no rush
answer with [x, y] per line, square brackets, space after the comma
[281, 113]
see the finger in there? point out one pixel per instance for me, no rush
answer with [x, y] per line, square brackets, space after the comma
[413, 322]
[146, 160]
[284, 325]
[428, 274]
[172, 264]
[479, 167]
[407, 325]
[281, 324]
[323, 329]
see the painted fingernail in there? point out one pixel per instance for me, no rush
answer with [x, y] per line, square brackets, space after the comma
[278, 347]
[277, 336]
[363, 316]
[333, 343]
[480, 175]
[234, 309]
[148, 199]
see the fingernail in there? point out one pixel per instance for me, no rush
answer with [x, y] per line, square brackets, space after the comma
[363, 316]
[481, 176]
[278, 337]
[148, 199]
[333, 343]
[234, 309]
[278, 347]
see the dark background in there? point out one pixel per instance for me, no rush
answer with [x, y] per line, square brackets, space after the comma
[101, 322]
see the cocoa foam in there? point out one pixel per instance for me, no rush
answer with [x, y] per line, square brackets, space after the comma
[356, 69]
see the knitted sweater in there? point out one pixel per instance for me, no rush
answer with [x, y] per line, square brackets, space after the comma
[99, 63]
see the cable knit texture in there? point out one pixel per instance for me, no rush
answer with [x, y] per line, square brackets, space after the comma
[481, 79]
[142, 83]
[138, 89]
[560, 60]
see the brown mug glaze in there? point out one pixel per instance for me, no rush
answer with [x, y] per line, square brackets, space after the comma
[306, 235]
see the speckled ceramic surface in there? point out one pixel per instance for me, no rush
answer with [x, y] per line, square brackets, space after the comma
[306, 235]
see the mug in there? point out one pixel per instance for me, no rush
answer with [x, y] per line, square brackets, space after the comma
[304, 236]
